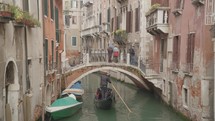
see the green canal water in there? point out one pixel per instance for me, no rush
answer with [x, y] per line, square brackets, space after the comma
[144, 105]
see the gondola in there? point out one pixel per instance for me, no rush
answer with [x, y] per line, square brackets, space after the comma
[106, 100]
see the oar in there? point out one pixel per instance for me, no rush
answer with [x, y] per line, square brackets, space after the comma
[121, 97]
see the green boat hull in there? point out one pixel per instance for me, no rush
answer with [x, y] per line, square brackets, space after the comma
[66, 112]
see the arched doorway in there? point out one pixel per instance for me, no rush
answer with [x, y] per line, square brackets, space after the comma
[11, 92]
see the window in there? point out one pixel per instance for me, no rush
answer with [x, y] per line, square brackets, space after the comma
[46, 7]
[185, 96]
[190, 50]
[100, 18]
[74, 4]
[52, 9]
[180, 4]
[108, 15]
[129, 21]
[74, 19]
[81, 4]
[57, 25]
[67, 20]
[66, 5]
[137, 19]
[52, 52]
[46, 53]
[176, 51]
[38, 9]
[26, 5]
[73, 41]
[112, 24]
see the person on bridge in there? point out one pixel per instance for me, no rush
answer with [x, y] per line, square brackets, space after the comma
[110, 53]
[115, 54]
[132, 55]
[104, 83]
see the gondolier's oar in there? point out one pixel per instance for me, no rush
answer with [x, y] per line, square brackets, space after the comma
[121, 97]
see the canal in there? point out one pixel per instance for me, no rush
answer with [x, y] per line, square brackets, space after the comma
[144, 105]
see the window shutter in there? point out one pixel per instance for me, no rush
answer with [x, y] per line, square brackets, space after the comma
[136, 19]
[131, 21]
[127, 22]
[112, 24]
[52, 9]
[46, 7]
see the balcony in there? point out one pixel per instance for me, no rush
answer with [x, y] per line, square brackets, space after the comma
[121, 1]
[157, 21]
[88, 3]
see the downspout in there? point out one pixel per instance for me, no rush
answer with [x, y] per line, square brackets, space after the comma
[28, 84]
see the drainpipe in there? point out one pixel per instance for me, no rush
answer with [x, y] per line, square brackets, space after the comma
[28, 84]
[44, 66]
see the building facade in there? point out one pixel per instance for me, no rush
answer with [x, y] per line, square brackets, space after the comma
[72, 28]
[53, 48]
[183, 56]
[21, 56]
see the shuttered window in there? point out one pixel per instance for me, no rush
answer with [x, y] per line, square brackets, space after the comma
[26, 5]
[129, 21]
[190, 50]
[137, 19]
[108, 15]
[180, 4]
[100, 18]
[45, 7]
[112, 24]
[46, 53]
[52, 52]
[57, 25]
[176, 51]
[52, 9]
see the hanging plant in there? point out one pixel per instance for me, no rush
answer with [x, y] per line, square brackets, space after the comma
[120, 34]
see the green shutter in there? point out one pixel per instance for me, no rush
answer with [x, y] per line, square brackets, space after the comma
[57, 25]
[45, 7]
[46, 53]
[52, 53]
[52, 9]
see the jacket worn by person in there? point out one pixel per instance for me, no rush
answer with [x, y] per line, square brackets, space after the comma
[104, 81]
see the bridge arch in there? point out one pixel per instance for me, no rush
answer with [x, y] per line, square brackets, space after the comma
[134, 73]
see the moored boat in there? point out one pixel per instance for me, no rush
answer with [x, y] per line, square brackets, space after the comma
[64, 107]
[106, 100]
[75, 89]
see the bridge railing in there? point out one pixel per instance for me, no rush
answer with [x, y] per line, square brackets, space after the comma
[102, 56]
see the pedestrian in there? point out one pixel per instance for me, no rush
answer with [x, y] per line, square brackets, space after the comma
[115, 54]
[104, 83]
[132, 55]
[110, 53]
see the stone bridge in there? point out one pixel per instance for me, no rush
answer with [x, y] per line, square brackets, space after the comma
[134, 73]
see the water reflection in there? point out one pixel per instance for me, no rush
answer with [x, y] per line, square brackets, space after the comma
[144, 106]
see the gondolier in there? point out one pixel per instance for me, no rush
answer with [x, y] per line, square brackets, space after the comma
[104, 96]
[104, 83]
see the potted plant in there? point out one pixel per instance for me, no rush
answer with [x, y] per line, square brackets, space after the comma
[17, 15]
[120, 35]
[5, 11]
[23, 17]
